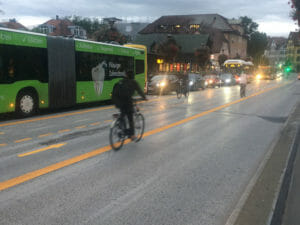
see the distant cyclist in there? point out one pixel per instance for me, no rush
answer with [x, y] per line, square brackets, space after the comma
[243, 84]
[183, 79]
[122, 98]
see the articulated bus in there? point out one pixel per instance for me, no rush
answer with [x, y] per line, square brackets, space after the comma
[40, 71]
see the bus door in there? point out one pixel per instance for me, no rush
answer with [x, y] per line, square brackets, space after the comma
[62, 75]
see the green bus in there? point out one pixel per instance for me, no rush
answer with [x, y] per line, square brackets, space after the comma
[40, 71]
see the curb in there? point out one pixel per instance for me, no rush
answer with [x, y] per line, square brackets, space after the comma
[264, 202]
[277, 215]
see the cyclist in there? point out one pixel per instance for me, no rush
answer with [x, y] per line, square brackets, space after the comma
[184, 81]
[129, 86]
[243, 84]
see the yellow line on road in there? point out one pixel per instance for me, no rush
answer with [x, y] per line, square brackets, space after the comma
[23, 140]
[34, 174]
[64, 131]
[95, 124]
[46, 135]
[3, 145]
[70, 114]
[42, 150]
[80, 127]
[108, 121]
[1, 133]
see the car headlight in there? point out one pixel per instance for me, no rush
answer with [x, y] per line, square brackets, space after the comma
[162, 84]
[228, 80]
[210, 81]
[157, 85]
[205, 83]
[191, 83]
[258, 76]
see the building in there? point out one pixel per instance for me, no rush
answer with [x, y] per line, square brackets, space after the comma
[13, 24]
[130, 30]
[224, 37]
[276, 51]
[293, 51]
[62, 27]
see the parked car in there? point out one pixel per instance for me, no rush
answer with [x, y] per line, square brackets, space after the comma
[227, 79]
[196, 81]
[213, 80]
[162, 84]
[298, 76]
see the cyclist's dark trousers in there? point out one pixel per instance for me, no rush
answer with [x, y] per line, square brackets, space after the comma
[128, 111]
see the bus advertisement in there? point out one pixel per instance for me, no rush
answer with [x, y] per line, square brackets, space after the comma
[40, 71]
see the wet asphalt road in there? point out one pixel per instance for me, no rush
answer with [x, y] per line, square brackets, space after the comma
[193, 170]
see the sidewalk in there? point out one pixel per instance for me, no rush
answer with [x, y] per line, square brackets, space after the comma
[291, 214]
[275, 196]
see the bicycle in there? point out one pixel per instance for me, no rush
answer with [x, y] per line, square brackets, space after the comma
[119, 128]
[181, 89]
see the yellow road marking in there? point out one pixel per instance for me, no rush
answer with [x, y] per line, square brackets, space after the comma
[45, 135]
[1, 133]
[23, 140]
[42, 150]
[108, 121]
[3, 145]
[80, 127]
[56, 116]
[34, 174]
[69, 114]
[95, 124]
[64, 131]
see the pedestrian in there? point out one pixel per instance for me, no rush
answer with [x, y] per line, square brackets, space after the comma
[243, 84]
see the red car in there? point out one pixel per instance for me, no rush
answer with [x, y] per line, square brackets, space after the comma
[212, 80]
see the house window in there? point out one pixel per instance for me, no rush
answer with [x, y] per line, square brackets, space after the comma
[298, 51]
[298, 58]
[194, 26]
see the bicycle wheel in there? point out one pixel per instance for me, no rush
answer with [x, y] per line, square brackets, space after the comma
[178, 92]
[116, 135]
[139, 126]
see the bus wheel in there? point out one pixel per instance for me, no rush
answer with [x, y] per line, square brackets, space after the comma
[26, 104]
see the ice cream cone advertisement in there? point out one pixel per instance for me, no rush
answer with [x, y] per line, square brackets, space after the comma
[98, 75]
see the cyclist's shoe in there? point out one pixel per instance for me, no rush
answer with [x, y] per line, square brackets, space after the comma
[133, 137]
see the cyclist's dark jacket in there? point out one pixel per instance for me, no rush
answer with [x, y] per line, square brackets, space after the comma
[132, 86]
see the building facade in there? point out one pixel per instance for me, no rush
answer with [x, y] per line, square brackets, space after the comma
[62, 27]
[293, 51]
[276, 51]
[224, 38]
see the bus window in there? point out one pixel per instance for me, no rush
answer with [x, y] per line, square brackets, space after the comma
[139, 66]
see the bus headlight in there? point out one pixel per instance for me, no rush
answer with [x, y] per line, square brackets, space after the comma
[191, 83]
[227, 80]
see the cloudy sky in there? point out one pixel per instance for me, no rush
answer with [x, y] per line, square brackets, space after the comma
[271, 15]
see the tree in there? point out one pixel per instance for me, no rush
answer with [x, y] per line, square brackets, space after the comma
[248, 25]
[98, 31]
[295, 14]
[90, 25]
[222, 58]
[257, 45]
[1, 11]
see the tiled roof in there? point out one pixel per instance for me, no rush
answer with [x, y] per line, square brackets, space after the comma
[13, 25]
[187, 42]
[61, 27]
[215, 21]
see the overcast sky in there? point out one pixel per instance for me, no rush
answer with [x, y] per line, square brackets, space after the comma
[271, 15]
